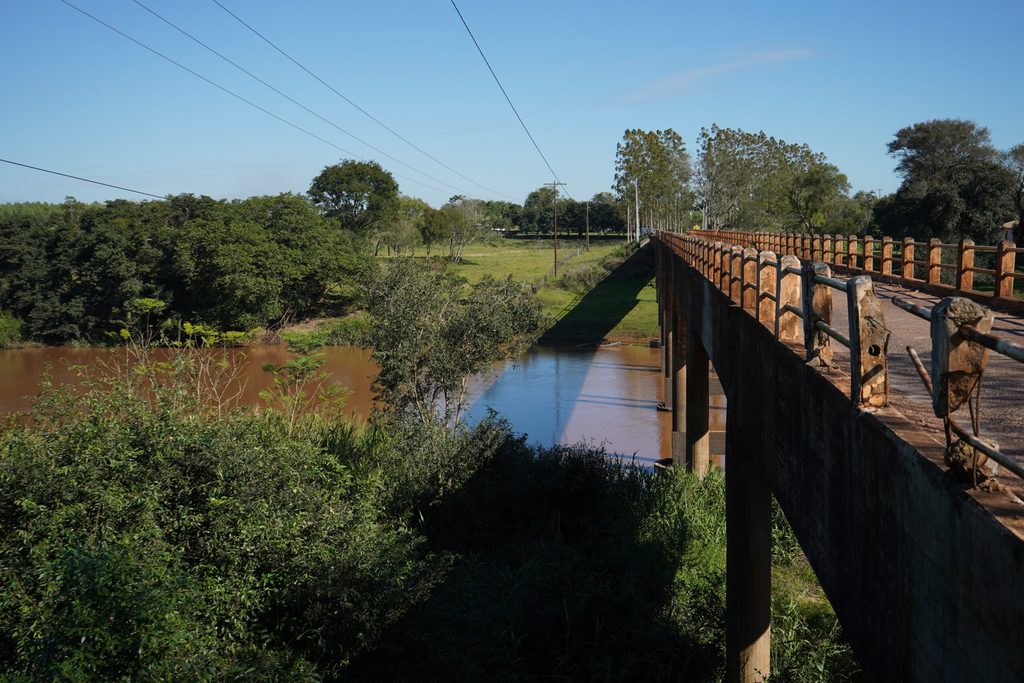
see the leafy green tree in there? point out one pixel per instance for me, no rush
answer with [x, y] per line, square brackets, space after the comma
[360, 194]
[434, 227]
[501, 216]
[536, 213]
[954, 185]
[604, 214]
[659, 165]
[465, 226]
[751, 181]
[1014, 160]
[404, 232]
[432, 332]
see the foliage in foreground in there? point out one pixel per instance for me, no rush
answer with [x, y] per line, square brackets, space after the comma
[145, 539]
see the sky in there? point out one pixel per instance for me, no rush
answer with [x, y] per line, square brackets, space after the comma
[840, 77]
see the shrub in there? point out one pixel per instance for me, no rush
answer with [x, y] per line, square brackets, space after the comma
[142, 542]
[10, 329]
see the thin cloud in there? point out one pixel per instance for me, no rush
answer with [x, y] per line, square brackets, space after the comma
[670, 86]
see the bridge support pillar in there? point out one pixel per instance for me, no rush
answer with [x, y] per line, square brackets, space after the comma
[748, 573]
[697, 406]
[666, 320]
[678, 381]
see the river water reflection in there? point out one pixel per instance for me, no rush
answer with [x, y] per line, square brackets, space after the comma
[607, 396]
[555, 395]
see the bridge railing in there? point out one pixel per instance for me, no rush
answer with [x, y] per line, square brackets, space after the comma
[794, 300]
[987, 273]
[953, 336]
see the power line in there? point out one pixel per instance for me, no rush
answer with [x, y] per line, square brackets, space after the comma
[232, 93]
[291, 99]
[75, 177]
[357, 107]
[507, 98]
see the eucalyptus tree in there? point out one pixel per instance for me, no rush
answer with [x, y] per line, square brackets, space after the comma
[654, 167]
[752, 181]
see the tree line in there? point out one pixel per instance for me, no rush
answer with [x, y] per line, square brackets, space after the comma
[955, 184]
[69, 271]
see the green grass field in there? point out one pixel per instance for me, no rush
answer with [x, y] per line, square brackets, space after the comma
[525, 260]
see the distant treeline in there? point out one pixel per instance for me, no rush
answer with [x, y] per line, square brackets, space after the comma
[68, 270]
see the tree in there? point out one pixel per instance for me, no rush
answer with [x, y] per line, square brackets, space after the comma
[954, 185]
[464, 218]
[433, 227]
[604, 214]
[432, 332]
[655, 165]
[361, 195]
[751, 181]
[404, 232]
[537, 209]
[1014, 160]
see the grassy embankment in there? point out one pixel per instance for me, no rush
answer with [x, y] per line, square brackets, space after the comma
[594, 297]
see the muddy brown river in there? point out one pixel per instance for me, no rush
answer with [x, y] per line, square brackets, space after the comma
[606, 396]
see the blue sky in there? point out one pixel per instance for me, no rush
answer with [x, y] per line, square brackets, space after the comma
[841, 77]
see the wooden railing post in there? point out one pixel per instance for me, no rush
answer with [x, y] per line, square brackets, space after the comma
[957, 362]
[766, 281]
[869, 253]
[817, 305]
[907, 267]
[1005, 263]
[829, 248]
[934, 273]
[816, 254]
[736, 274]
[748, 285]
[869, 344]
[886, 256]
[964, 266]
[851, 251]
[723, 265]
[787, 293]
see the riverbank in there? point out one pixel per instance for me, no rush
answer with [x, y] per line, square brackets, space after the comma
[604, 294]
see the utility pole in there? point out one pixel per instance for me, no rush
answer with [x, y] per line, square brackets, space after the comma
[554, 218]
[588, 226]
[636, 197]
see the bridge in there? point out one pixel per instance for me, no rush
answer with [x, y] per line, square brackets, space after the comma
[899, 469]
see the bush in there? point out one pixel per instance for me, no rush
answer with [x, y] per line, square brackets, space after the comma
[10, 329]
[143, 542]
